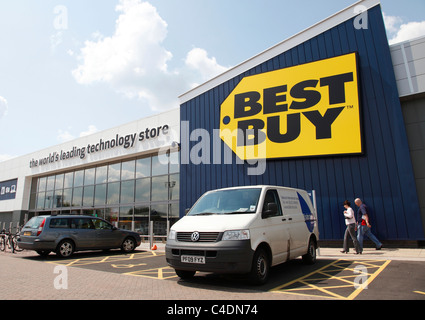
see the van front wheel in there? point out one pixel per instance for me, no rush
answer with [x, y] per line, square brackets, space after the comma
[185, 275]
[260, 268]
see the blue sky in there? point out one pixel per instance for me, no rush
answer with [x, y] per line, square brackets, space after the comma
[70, 68]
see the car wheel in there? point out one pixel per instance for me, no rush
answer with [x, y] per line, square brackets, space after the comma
[184, 274]
[65, 248]
[128, 245]
[310, 256]
[260, 268]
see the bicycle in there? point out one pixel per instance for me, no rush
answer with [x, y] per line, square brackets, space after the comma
[9, 240]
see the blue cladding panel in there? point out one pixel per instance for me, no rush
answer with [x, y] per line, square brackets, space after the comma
[382, 177]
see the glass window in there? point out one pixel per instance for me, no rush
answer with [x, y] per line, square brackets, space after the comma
[67, 195]
[59, 223]
[101, 174]
[40, 200]
[141, 219]
[111, 215]
[127, 191]
[159, 165]
[101, 225]
[100, 194]
[159, 214]
[113, 193]
[68, 181]
[126, 218]
[174, 186]
[78, 178]
[173, 214]
[57, 203]
[49, 200]
[77, 197]
[88, 196]
[159, 188]
[127, 170]
[82, 223]
[174, 162]
[50, 183]
[89, 176]
[143, 189]
[114, 172]
[42, 184]
[59, 182]
[143, 167]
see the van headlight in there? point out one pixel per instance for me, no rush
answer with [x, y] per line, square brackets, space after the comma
[172, 235]
[236, 235]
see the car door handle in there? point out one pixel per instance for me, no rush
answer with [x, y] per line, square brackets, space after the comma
[284, 219]
[289, 218]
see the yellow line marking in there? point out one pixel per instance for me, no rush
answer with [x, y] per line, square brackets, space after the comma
[107, 259]
[420, 292]
[155, 273]
[368, 281]
[303, 277]
[311, 281]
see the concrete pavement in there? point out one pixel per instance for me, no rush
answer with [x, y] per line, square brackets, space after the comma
[23, 277]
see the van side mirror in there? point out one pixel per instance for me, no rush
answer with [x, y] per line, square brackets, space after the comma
[271, 210]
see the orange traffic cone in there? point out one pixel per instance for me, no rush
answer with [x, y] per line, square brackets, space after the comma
[154, 247]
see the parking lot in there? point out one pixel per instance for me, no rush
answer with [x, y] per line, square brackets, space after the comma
[340, 278]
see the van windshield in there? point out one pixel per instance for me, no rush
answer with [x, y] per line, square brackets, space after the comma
[236, 201]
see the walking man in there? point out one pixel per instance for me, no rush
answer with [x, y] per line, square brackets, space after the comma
[363, 225]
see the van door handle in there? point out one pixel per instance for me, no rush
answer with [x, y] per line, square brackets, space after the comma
[284, 219]
[289, 218]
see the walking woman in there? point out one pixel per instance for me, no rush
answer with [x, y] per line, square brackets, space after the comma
[350, 221]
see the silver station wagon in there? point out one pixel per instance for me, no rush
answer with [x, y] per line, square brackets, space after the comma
[66, 234]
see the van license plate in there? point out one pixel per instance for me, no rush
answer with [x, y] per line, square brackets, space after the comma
[193, 259]
[27, 233]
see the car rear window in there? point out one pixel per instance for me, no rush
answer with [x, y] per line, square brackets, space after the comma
[34, 222]
[59, 223]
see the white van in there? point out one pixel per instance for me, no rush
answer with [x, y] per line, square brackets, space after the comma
[244, 230]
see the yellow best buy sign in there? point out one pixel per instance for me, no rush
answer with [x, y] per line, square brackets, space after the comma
[307, 110]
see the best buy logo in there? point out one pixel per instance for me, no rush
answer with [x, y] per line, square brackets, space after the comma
[307, 110]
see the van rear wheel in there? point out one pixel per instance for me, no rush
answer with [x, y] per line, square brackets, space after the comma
[260, 267]
[310, 256]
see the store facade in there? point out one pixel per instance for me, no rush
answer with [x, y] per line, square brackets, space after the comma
[128, 175]
[319, 111]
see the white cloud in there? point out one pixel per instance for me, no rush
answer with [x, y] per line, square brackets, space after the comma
[409, 31]
[3, 107]
[64, 136]
[134, 61]
[399, 31]
[197, 59]
[92, 129]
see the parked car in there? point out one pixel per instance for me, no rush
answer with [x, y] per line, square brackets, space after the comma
[244, 230]
[66, 234]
